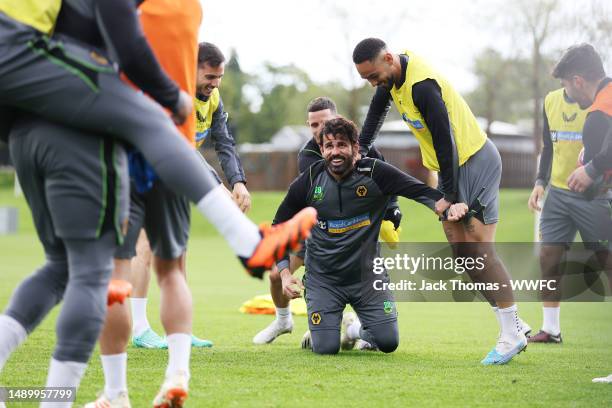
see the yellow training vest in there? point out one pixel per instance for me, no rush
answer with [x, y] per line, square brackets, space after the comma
[468, 135]
[204, 115]
[565, 121]
[38, 14]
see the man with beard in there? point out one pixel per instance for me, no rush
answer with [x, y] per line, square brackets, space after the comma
[320, 110]
[351, 197]
[583, 77]
[210, 122]
[469, 166]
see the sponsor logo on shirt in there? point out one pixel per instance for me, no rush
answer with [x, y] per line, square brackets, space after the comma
[349, 224]
[417, 124]
[557, 136]
[318, 193]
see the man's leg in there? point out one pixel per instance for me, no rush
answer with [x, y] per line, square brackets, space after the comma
[324, 303]
[31, 302]
[114, 339]
[325, 341]
[82, 316]
[142, 333]
[195, 341]
[283, 323]
[176, 317]
[551, 257]
[558, 231]
[383, 336]
[103, 103]
[377, 311]
[481, 243]
[478, 186]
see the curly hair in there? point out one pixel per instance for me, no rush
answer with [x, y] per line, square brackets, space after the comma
[341, 127]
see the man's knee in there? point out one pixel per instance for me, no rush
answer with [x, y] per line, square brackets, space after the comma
[71, 347]
[326, 341]
[275, 278]
[385, 336]
[167, 270]
[388, 343]
[38, 293]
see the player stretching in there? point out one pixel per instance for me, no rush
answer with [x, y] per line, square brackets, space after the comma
[469, 166]
[40, 74]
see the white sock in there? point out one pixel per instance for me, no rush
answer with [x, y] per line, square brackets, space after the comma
[496, 311]
[551, 323]
[12, 334]
[115, 374]
[239, 232]
[140, 323]
[510, 325]
[179, 352]
[283, 314]
[64, 374]
[352, 331]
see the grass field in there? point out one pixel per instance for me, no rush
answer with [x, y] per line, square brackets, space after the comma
[437, 363]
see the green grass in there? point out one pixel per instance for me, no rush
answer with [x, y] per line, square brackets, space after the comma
[437, 363]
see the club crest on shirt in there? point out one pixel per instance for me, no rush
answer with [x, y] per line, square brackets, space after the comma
[569, 118]
[361, 191]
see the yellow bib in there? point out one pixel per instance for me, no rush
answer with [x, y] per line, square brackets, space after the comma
[204, 115]
[565, 121]
[38, 14]
[468, 136]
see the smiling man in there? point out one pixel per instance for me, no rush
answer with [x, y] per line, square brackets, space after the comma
[351, 197]
[319, 111]
[210, 122]
[468, 164]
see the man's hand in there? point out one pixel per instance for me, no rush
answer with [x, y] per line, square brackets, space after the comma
[456, 212]
[394, 215]
[292, 286]
[241, 197]
[441, 206]
[183, 108]
[579, 180]
[534, 199]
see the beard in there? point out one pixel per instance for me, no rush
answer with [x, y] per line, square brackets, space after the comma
[340, 168]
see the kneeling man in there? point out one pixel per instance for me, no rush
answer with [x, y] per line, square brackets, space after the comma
[351, 197]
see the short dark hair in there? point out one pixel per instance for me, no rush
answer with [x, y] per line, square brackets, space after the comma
[581, 59]
[322, 103]
[368, 49]
[210, 54]
[341, 126]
